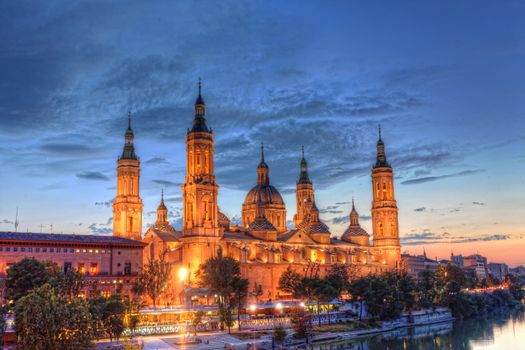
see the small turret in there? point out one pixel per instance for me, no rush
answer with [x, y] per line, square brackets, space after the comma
[199, 122]
[129, 148]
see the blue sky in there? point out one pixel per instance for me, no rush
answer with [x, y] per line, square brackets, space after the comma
[445, 79]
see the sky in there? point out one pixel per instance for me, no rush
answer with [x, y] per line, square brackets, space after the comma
[444, 79]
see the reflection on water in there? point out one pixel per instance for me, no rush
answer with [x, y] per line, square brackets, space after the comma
[501, 332]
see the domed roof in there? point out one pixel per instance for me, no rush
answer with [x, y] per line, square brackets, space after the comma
[266, 194]
[354, 231]
[261, 224]
[317, 227]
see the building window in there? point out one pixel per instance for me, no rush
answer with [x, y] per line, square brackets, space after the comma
[22, 249]
[333, 258]
[30, 249]
[15, 249]
[93, 269]
[51, 250]
[127, 268]
[1, 249]
[81, 268]
[7, 249]
[37, 250]
[67, 267]
[71, 250]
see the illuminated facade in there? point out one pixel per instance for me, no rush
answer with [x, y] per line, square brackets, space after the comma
[263, 244]
[127, 206]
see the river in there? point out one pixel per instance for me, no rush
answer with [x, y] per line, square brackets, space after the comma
[505, 331]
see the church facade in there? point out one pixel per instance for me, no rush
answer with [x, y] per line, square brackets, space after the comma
[263, 244]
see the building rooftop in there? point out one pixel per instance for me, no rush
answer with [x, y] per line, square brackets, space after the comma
[67, 238]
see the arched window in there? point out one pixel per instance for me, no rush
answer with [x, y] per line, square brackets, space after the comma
[384, 190]
[130, 228]
[377, 190]
[207, 161]
[380, 229]
[198, 161]
[206, 210]
[392, 229]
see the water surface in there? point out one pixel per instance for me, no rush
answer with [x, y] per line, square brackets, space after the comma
[505, 331]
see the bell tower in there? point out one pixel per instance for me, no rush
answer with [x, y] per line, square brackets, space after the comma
[304, 192]
[127, 206]
[384, 208]
[201, 214]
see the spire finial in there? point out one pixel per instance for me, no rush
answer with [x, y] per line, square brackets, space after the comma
[262, 152]
[162, 195]
[379, 128]
[302, 151]
[129, 119]
[200, 85]
[353, 205]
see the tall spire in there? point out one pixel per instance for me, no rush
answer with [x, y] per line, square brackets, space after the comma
[303, 176]
[381, 161]
[199, 122]
[162, 211]
[263, 171]
[354, 216]
[129, 148]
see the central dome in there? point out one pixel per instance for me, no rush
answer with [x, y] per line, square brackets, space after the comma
[266, 194]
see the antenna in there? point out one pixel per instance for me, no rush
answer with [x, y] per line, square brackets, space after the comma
[16, 220]
[51, 227]
[41, 227]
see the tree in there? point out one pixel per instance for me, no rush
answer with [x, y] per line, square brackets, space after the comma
[153, 279]
[301, 322]
[338, 278]
[289, 281]
[239, 294]
[257, 291]
[226, 318]
[196, 321]
[114, 310]
[25, 275]
[45, 320]
[71, 283]
[220, 275]
[217, 273]
[3, 312]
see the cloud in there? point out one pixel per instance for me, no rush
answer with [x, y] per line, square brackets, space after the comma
[478, 203]
[167, 183]
[67, 149]
[340, 220]
[446, 237]
[156, 160]
[6, 221]
[92, 175]
[105, 204]
[95, 229]
[435, 178]
[420, 209]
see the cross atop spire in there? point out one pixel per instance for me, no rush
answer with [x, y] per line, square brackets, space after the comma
[381, 161]
[199, 122]
[303, 175]
[129, 148]
[263, 171]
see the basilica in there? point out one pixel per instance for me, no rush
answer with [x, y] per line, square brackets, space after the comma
[264, 246]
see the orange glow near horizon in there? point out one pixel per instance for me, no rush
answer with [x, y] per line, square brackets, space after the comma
[511, 252]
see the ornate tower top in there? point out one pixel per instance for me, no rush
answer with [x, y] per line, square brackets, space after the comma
[162, 211]
[303, 176]
[129, 148]
[199, 122]
[263, 171]
[354, 216]
[381, 161]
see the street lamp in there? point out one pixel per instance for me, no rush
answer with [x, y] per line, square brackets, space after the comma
[183, 274]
